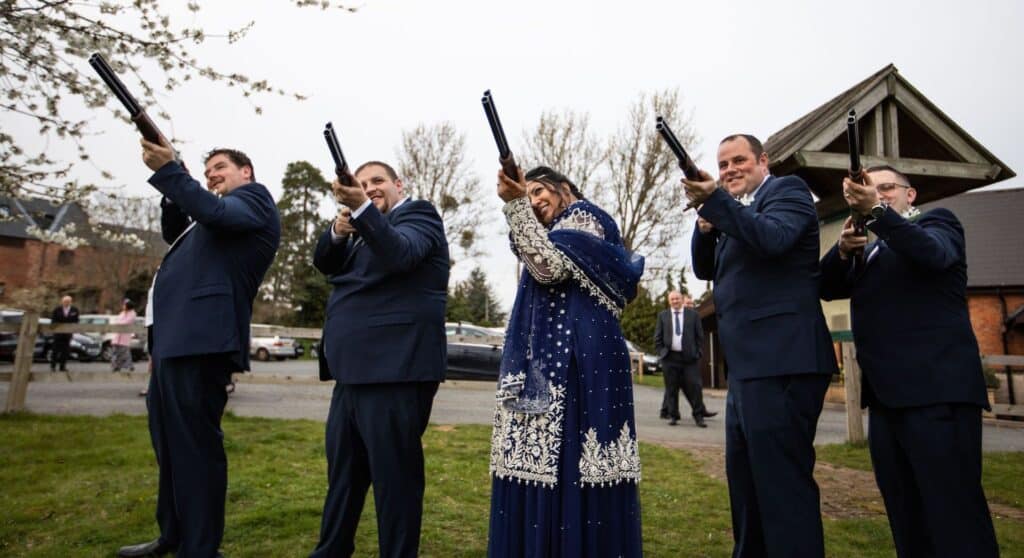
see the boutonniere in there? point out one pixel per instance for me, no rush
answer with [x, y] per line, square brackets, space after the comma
[911, 214]
[746, 199]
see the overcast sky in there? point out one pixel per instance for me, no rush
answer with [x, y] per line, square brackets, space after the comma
[740, 67]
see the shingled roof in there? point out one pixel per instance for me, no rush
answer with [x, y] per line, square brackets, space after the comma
[898, 126]
[18, 215]
[995, 247]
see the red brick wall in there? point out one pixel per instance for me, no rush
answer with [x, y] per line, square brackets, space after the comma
[986, 319]
[35, 262]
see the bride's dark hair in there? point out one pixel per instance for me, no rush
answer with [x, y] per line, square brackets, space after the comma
[553, 180]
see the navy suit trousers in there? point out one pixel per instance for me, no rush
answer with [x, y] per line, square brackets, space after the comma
[770, 425]
[186, 400]
[927, 462]
[373, 436]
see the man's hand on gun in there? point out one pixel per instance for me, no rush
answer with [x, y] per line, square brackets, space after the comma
[698, 191]
[156, 155]
[860, 197]
[349, 196]
[704, 225]
[343, 222]
[850, 243]
[509, 189]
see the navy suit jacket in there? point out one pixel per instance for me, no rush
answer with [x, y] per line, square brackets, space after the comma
[909, 314]
[764, 263]
[693, 334]
[385, 316]
[207, 281]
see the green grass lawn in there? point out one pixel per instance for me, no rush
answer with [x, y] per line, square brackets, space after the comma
[82, 486]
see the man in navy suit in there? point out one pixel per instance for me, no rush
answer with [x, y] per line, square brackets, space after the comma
[384, 345]
[222, 242]
[757, 238]
[63, 314]
[679, 342]
[922, 375]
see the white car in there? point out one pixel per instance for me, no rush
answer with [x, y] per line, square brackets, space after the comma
[277, 347]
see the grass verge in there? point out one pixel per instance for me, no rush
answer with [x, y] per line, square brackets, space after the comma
[82, 486]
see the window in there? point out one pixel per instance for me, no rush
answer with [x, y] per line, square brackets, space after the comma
[65, 258]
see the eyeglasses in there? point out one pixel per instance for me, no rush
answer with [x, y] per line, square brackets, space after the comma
[887, 187]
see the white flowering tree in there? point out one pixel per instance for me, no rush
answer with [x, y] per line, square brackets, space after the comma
[44, 45]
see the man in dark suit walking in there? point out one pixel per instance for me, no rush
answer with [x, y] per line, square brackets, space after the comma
[63, 314]
[922, 375]
[757, 238]
[384, 345]
[679, 342]
[222, 242]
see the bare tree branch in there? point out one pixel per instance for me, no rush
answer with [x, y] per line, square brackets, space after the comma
[432, 162]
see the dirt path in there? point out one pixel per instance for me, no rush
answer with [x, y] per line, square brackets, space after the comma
[845, 493]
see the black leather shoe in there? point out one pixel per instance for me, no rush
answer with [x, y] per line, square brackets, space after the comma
[673, 422]
[709, 414]
[700, 422]
[154, 548]
[663, 416]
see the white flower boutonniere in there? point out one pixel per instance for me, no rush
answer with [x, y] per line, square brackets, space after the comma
[911, 214]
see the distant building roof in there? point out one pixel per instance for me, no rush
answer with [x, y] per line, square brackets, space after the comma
[995, 243]
[18, 215]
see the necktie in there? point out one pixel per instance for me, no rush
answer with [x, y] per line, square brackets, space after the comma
[679, 329]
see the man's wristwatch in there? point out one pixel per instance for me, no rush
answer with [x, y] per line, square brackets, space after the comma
[877, 211]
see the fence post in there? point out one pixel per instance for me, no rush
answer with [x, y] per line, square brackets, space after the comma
[22, 362]
[851, 383]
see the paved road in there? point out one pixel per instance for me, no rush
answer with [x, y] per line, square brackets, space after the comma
[290, 390]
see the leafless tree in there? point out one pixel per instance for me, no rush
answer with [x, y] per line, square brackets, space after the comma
[642, 191]
[432, 162]
[563, 141]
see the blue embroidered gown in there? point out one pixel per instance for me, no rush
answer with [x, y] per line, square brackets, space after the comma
[564, 459]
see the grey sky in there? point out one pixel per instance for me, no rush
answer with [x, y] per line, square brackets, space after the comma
[740, 66]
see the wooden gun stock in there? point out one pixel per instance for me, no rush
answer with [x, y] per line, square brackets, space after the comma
[135, 111]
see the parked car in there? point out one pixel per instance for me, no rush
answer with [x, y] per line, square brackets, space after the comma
[265, 348]
[137, 343]
[9, 340]
[476, 354]
[651, 363]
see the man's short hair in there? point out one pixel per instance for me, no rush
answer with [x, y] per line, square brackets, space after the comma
[388, 168]
[755, 144]
[235, 156]
[899, 175]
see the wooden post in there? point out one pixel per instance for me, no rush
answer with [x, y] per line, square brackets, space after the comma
[18, 387]
[851, 382]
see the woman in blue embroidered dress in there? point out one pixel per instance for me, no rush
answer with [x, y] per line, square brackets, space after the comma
[563, 451]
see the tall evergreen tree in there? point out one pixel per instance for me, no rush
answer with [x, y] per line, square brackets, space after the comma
[294, 288]
[473, 300]
[640, 317]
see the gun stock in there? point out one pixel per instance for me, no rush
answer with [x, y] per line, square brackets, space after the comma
[505, 157]
[137, 114]
[686, 164]
[340, 165]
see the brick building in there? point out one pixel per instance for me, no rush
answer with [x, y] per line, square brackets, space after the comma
[995, 274]
[98, 272]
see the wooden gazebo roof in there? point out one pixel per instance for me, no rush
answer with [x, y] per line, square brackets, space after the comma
[898, 126]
